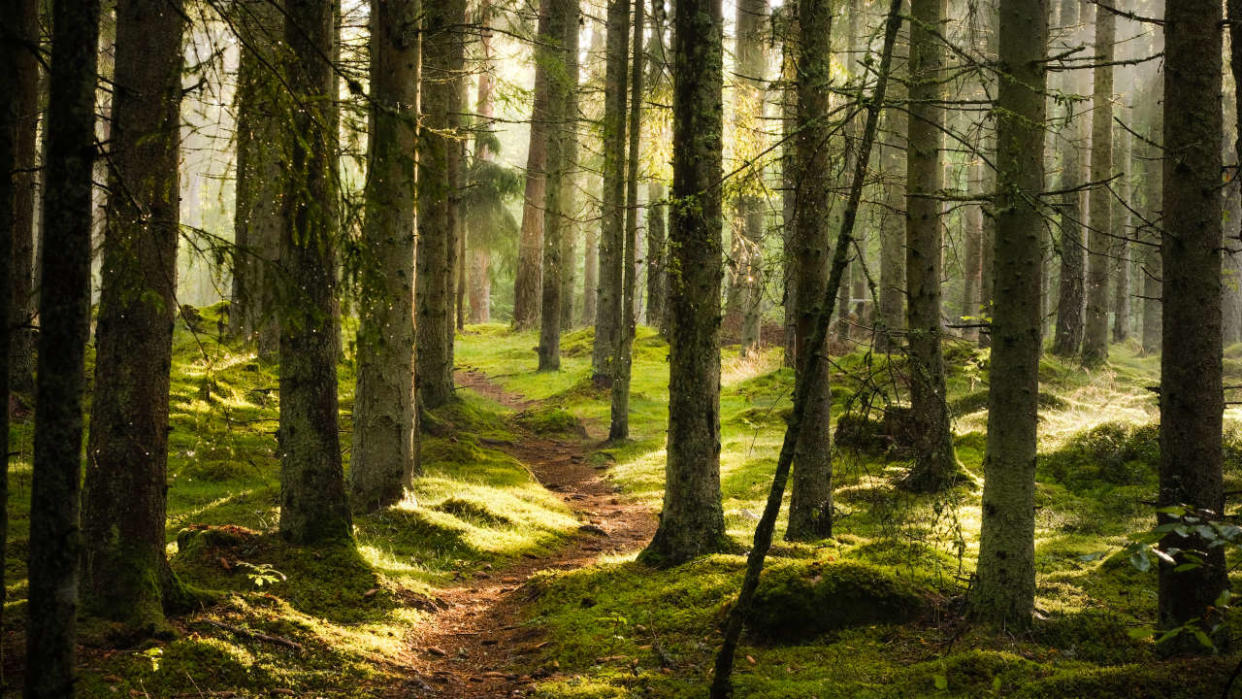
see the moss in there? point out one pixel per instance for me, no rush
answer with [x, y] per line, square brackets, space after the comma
[550, 421]
[1111, 453]
[978, 400]
[797, 602]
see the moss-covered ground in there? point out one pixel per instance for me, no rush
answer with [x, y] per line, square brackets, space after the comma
[339, 623]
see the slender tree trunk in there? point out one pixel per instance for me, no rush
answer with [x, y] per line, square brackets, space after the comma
[1152, 268]
[935, 465]
[560, 48]
[23, 19]
[972, 264]
[64, 313]
[657, 273]
[810, 500]
[1191, 386]
[891, 315]
[612, 210]
[989, 185]
[692, 521]
[1121, 243]
[442, 56]
[789, 182]
[528, 280]
[312, 484]
[590, 274]
[385, 448]
[1004, 594]
[572, 191]
[480, 257]
[1067, 338]
[1099, 200]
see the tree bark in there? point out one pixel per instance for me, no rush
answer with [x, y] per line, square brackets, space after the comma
[385, 449]
[657, 272]
[528, 278]
[788, 32]
[891, 315]
[64, 313]
[1121, 242]
[692, 521]
[1152, 268]
[972, 263]
[24, 73]
[1067, 337]
[1191, 386]
[1004, 593]
[1099, 200]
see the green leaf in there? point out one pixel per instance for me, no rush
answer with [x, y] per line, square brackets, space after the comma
[1204, 640]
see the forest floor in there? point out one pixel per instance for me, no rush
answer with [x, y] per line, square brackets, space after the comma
[480, 645]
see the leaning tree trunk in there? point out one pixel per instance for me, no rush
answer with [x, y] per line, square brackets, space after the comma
[612, 209]
[1004, 593]
[1067, 338]
[692, 520]
[313, 508]
[810, 499]
[1191, 387]
[442, 56]
[1099, 200]
[262, 132]
[24, 72]
[528, 275]
[559, 44]
[935, 466]
[126, 577]
[64, 314]
[385, 448]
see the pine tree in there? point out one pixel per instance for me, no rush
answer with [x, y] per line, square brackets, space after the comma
[1099, 200]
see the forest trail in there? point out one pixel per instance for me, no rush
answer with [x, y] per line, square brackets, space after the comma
[478, 645]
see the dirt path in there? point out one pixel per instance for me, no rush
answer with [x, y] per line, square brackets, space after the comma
[478, 646]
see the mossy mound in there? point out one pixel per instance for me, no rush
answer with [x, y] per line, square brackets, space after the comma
[801, 601]
[893, 435]
[978, 400]
[1111, 453]
[551, 421]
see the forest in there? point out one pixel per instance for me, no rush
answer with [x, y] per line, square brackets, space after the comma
[588, 349]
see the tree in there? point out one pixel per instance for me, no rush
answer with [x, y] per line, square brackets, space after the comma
[559, 43]
[262, 130]
[1120, 249]
[313, 507]
[480, 264]
[528, 275]
[1099, 200]
[935, 465]
[612, 209]
[24, 73]
[64, 312]
[1067, 338]
[1004, 593]
[442, 67]
[1191, 387]
[385, 450]
[692, 520]
[810, 499]
[890, 314]
[126, 577]
[1149, 232]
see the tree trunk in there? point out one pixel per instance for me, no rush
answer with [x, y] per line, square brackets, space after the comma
[612, 210]
[24, 73]
[559, 46]
[1121, 243]
[1191, 387]
[1004, 594]
[891, 315]
[789, 182]
[692, 521]
[442, 63]
[972, 272]
[313, 508]
[479, 267]
[1099, 200]
[262, 103]
[1067, 338]
[528, 278]
[657, 273]
[385, 449]
[1152, 269]
[935, 465]
[64, 314]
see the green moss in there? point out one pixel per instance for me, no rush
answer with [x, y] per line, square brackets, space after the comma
[550, 421]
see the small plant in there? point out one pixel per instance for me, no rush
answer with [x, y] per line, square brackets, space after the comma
[261, 574]
[155, 655]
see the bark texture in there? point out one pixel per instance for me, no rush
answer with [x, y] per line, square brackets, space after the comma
[22, 19]
[528, 277]
[1120, 242]
[891, 315]
[1100, 199]
[1067, 337]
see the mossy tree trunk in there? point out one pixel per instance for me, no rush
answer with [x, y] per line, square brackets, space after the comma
[657, 272]
[64, 314]
[612, 208]
[1191, 386]
[1099, 200]
[1004, 593]
[559, 49]
[23, 22]
[443, 24]
[313, 507]
[262, 134]
[692, 520]
[385, 448]
[935, 465]
[810, 499]
[126, 577]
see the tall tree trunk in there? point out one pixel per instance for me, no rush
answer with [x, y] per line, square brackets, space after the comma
[442, 57]
[559, 44]
[312, 485]
[692, 521]
[23, 20]
[1067, 338]
[990, 177]
[657, 272]
[590, 272]
[126, 577]
[528, 278]
[891, 315]
[479, 269]
[64, 313]
[619, 424]
[972, 263]
[810, 499]
[612, 210]
[262, 135]
[1121, 242]
[572, 191]
[746, 282]
[935, 466]
[1152, 268]
[789, 183]
[1099, 200]
[385, 448]
[1191, 387]
[1004, 594]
